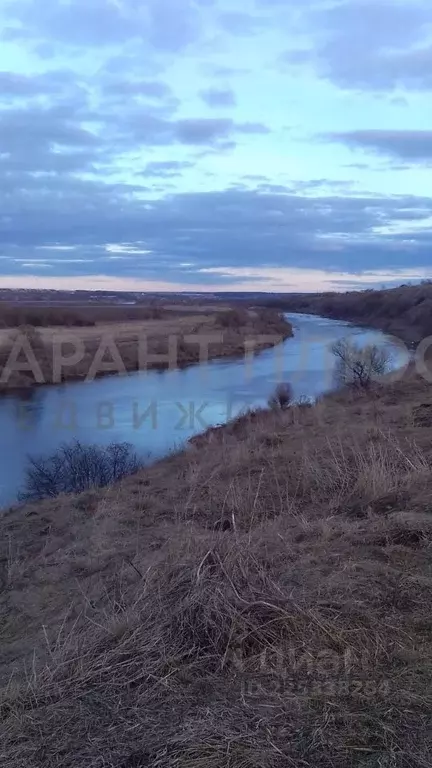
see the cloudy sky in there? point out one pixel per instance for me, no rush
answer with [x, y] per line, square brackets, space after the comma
[215, 144]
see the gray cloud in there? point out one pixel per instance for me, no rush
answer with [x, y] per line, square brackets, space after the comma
[374, 44]
[209, 229]
[239, 23]
[221, 70]
[79, 23]
[14, 85]
[50, 139]
[413, 146]
[157, 94]
[358, 166]
[149, 129]
[63, 152]
[67, 132]
[251, 128]
[273, 188]
[129, 62]
[166, 24]
[369, 44]
[43, 162]
[318, 184]
[203, 130]
[219, 97]
[43, 126]
[255, 177]
[166, 168]
[152, 89]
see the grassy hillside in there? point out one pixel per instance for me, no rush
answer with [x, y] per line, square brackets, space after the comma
[260, 600]
[405, 311]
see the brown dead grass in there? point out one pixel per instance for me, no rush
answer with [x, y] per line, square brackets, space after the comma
[260, 600]
[230, 327]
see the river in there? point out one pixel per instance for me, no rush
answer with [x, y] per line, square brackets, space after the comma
[158, 411]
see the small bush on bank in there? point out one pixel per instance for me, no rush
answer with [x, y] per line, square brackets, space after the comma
[282, 397]
[75, 467]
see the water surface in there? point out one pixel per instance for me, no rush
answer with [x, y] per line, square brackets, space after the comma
[158, 411]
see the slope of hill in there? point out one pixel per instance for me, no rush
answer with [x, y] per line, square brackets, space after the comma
[405, 311]
[260, 600]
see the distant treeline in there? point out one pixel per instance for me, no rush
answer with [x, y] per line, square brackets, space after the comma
[15, 315]
[405, 311]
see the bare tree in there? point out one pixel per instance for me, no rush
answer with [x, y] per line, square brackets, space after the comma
[282, 397]
[359, 366]
[75, 467]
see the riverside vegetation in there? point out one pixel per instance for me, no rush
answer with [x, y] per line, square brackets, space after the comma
[405, 311]
[102, 341]
[261, 599]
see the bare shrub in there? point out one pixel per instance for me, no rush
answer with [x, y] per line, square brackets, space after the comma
[359, 366]
[232, 318]
[75, 467]
[282, 397]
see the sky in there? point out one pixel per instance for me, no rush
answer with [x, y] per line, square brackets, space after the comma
[261, 145]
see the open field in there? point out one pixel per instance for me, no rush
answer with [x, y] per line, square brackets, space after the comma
[90, 312]
[123, 330]
[172, 339]
[260, 600]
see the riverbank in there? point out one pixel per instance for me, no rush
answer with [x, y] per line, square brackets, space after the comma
[405, 311]
[260, 599]
[156, 411]
[38, 356]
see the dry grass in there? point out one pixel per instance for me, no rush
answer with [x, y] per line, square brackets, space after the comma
[124, 330]
[134, 345]
[260, 600]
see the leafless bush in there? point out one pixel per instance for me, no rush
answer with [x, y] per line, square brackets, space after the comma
[282, 397]
[232, 318]
[75, 467]
[359, 366]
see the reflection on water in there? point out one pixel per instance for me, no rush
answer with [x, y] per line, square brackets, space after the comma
[157, 411]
